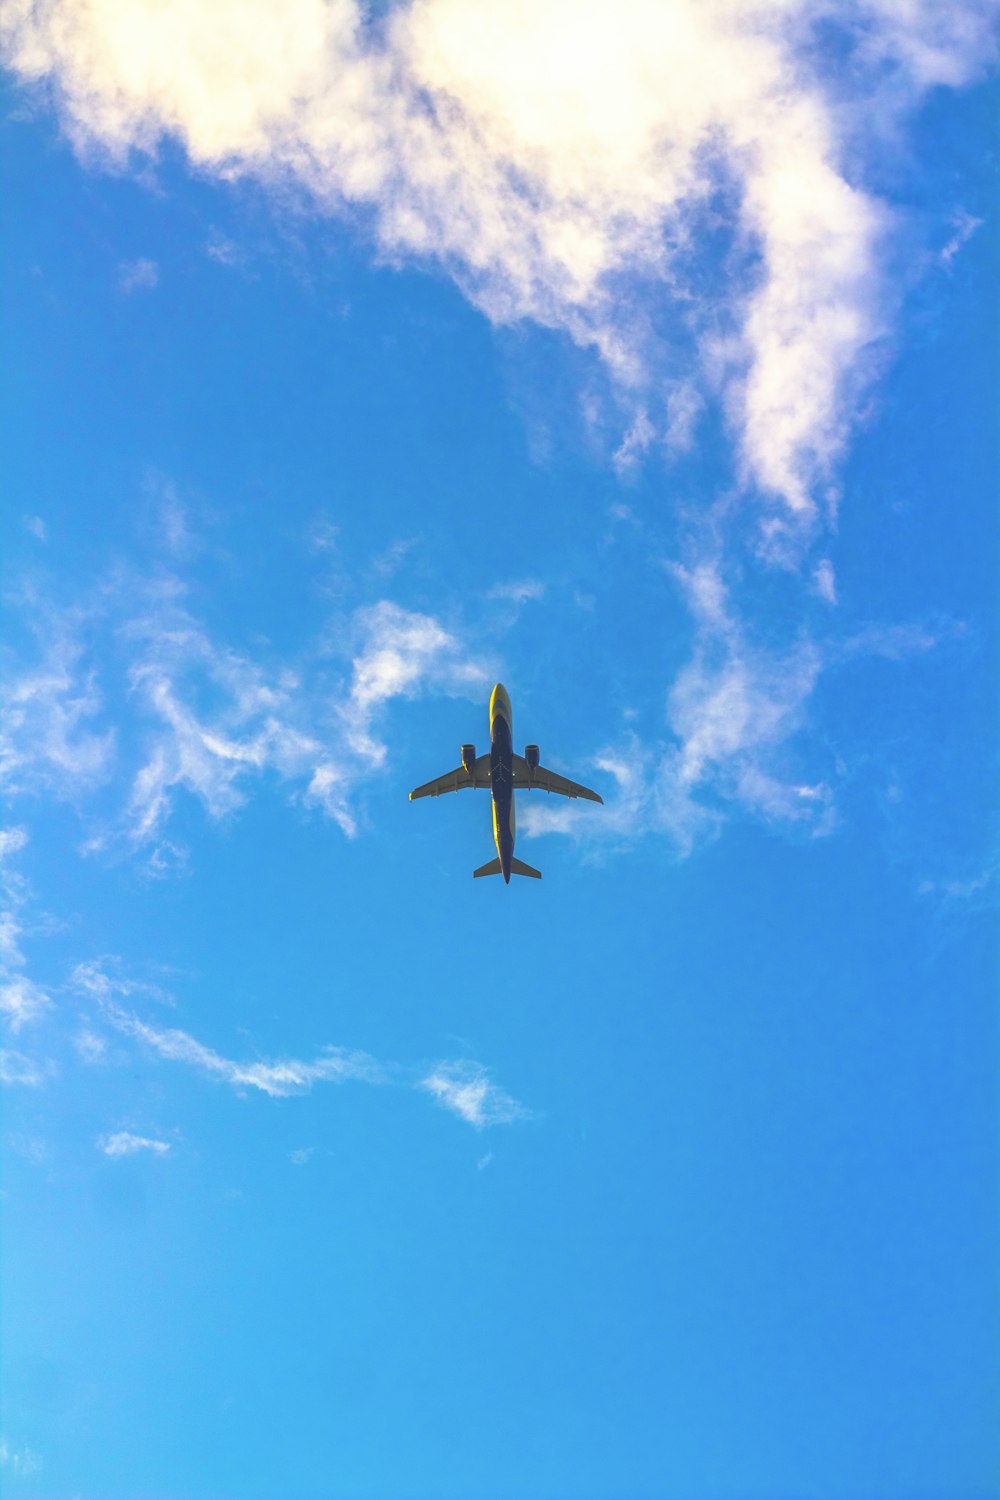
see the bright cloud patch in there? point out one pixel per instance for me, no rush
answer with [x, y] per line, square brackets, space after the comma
[124, 1143]
[561, 160]
[465, 1089]
[403, 651]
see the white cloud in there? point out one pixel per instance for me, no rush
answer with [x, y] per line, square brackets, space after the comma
[898, 641]
[739, 736]
[635, 443]
[197, 715]
[138, 275]
[825, 581]
[268, 721]
[731, 712]
[300, 1156]
[560, 159]
[402, 653]
[31, 1148]
[20, 1461]
[102, 979]
[91, 1047]
[280, 1077]
[22, 1001]
[277, 1078]
[124, 1143]
[465, 1088]
[46, 710]
[219, 247]
[15, 1067]
[12, 841]
[975, 890]
[965, 226]
[684, 406]
[520, 592]
[36, 527]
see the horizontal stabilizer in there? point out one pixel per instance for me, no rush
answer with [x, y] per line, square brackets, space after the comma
[492, 868]
[518, 867]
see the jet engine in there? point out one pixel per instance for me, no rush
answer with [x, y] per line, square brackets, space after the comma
[468, 757]
[531, 756]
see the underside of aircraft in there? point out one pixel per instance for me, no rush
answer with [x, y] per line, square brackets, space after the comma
[502, 772]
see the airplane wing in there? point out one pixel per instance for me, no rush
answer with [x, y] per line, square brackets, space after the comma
[541, 780]
[456, 781]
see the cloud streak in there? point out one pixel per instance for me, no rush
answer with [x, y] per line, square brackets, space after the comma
[124, 1143]
[740, 728]
[463, 1087]
[46, 739]
[22, 1001]
[278, 1078]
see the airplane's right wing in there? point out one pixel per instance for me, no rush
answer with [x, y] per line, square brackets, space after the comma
[539, 779]
[456, 781]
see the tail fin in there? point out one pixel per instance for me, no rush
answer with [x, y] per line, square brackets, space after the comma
[517, 867]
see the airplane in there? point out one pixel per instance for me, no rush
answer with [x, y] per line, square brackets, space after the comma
[504, 773]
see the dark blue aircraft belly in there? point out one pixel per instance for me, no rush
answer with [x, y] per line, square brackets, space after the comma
[502, 787]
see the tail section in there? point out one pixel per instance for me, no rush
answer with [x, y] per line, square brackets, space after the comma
[517, 867]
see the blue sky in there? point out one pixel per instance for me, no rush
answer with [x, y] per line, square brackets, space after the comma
[646, 361]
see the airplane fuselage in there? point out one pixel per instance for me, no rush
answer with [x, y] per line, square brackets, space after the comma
[502, 777]
[504, 773]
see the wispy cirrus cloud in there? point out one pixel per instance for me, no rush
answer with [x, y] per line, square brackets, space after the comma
[16, 1067]
[562, 161]
[21, 999]
[739, 731]
[566, 164]
[299, 723]
[402, 653]
[49, 706]
[463, 1087]
[138, 275]
[278, 1078]
[125, 1143]
[21, 1462]
[173, 709]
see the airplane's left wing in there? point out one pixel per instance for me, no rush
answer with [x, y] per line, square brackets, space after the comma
[539, 779]
[456, 781]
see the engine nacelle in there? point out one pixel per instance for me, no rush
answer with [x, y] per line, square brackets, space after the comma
[468, 756]
[531, 756]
